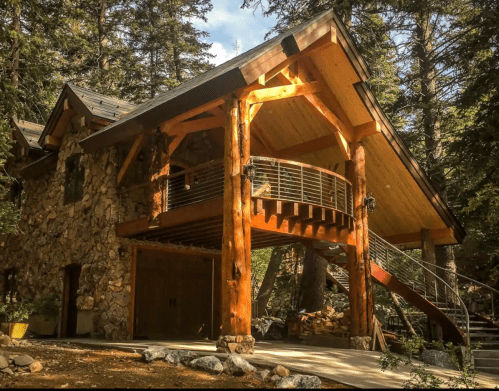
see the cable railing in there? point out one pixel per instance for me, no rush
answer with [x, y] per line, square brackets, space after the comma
[420, 279]
[298, 182]
[472, 297]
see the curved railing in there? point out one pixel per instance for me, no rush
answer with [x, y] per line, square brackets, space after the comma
[470, 296]
[420, 279]
[298, 182]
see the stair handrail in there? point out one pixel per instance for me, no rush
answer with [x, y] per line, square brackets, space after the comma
[475, 282]
[464, 310]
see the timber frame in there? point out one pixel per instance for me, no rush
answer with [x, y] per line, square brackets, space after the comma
[302, 141]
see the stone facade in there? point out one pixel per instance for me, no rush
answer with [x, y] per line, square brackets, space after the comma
[52, 235]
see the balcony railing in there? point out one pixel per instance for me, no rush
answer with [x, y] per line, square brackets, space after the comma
[298, 182]
[273, 179]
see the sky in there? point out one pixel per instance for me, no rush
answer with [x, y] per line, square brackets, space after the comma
[228, 24]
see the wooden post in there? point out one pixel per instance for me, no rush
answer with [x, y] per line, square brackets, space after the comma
[160, 165]
[236, 242]
[360, 285]
[428, 255]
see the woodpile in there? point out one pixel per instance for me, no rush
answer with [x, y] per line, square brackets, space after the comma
[325, 322]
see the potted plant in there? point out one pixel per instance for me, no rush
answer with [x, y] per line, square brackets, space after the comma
[44, 319]
[15, 313]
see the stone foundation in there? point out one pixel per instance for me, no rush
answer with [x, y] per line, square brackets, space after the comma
[242, 344]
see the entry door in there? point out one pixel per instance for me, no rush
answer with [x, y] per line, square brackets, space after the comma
[69, 310]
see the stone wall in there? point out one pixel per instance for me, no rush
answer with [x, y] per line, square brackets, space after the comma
[52, 235]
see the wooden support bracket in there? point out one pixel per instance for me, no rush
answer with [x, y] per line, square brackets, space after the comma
[131, 157]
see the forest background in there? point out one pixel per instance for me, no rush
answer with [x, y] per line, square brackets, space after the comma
[435, 67]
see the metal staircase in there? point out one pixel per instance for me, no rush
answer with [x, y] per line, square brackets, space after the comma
[417, 282]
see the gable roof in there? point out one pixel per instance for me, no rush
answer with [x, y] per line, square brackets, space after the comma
[222, 80]
[27, 133]
[407, 199]
[92, 105]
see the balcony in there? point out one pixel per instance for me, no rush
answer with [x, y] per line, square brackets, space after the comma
[290, 201]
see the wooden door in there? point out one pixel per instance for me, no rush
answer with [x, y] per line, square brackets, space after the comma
[69, 310]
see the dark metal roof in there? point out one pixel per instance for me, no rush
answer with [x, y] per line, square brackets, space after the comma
[207, 87]
[101, 106]
[87, 103]
[30, 132]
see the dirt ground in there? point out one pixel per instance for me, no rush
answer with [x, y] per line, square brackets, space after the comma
[71, 366]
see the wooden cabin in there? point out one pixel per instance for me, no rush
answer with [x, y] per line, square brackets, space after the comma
[284, 143]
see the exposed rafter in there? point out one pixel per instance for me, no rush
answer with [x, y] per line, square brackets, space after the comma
[131, 157]
[283, 92]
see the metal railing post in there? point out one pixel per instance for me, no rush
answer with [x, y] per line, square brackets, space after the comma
[278, 179]
[301, 172]
[335, 194]
[320, 185]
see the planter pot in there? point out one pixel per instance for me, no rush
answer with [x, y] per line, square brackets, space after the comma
[14, 330]
[43, 324]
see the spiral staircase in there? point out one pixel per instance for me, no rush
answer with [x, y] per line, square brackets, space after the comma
[417, 283]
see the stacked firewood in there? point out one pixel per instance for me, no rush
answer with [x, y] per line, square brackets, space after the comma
[325, 322]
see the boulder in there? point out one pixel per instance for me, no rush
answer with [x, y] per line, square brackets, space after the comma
[5, 340]
[209, 364]
[35, 366]
[360, 343]
[299, 381]
[438, 358]
[280, 371]
[23, 361]
[237, 366]
[4, 362]
[274, 378]
[180, 357]
[263, 375]
[155, 353]
[7, 371]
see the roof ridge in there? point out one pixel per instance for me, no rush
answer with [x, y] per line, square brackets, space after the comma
[74, 86]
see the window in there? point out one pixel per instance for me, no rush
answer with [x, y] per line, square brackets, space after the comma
[75, 176]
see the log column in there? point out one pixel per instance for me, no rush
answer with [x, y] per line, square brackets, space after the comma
[160, 165]
[428, 255]
[360, 282]
[236, 246]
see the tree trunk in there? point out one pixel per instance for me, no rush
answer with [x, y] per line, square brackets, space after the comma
[313, 282]
[401, 315]
[103, 59]
[16, 46]
[268, 281]
[431, 125]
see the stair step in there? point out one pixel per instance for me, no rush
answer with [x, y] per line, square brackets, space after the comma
[485, 353]
[486, 362]
[491, 329]
[494, 371]
[484, 335]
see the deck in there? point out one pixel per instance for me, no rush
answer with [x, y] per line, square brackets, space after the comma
[290, 202]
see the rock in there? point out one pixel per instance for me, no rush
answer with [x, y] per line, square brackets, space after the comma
[5, 340]
[208, 363]
[299, 381]
[237, 366]
[4, 362]
[155, 353]
[7, 371]
[274, 378]
[35, 366]
[23, 361]
[263, 375]
[180, 357]
[438, 358]
[280, 371]
[360, 343]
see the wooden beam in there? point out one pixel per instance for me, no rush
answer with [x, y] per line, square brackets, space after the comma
[195, 125]
[172, 146]
[254, 109]
[359, 280]
[191, 113]
[283, 92]
[306, 147]
[235, 295]
[52, 142]
[131, 157]
[342, 133]
[365, 130]
[300, 230]
[160, 166]
[413, 237]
